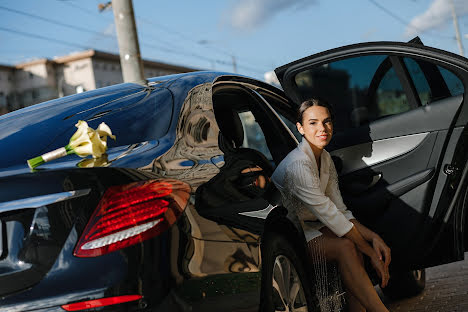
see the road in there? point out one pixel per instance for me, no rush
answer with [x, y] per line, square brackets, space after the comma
[446, 290]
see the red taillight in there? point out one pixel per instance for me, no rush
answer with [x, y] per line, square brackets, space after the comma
[131, 213]
[91, 304]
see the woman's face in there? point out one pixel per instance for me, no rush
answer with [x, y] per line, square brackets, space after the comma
[317, 126]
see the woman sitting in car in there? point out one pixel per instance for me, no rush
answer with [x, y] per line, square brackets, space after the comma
[308, 181]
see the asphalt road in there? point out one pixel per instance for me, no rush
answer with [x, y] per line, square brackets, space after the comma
[446, 290]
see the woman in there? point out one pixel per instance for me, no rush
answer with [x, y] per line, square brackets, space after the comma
[308, 181]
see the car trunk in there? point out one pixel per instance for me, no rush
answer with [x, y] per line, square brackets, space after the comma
[43, 209]
[38, 212]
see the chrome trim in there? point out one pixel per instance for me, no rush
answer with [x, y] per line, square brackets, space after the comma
[260, 214]
[39, 201]
[357, 156]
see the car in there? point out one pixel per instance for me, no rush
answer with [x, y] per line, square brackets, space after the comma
[180, 213]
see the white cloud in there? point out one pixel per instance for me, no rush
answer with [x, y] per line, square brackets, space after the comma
[438, 14]
[270, 77]
[247, 14]
[109, 30]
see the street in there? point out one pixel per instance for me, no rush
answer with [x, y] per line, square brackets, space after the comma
[446, 290]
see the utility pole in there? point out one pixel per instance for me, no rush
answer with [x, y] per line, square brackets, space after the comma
[457, 29]
[130, 58]
[234, 64]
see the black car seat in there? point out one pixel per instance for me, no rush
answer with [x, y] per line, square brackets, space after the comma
[252, 167]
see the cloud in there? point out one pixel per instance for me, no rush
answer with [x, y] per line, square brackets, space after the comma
[438, 13]
[248, 14]
[270, 77]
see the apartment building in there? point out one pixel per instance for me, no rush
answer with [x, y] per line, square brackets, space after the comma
[44, 79]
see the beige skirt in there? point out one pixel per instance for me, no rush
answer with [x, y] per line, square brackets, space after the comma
[311, 229]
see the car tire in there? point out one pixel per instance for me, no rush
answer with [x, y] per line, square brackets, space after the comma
[406, 284]
[278, 255]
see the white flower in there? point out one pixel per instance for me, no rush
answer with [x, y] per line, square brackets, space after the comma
[87, 141]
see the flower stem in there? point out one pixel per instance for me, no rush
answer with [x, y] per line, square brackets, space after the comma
[69, 149]
[36, 161]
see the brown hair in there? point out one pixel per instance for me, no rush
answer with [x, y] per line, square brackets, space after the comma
[313, 102]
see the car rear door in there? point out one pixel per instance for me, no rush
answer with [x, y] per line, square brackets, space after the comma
[398, 142]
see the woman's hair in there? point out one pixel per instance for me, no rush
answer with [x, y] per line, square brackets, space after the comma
[313, 102]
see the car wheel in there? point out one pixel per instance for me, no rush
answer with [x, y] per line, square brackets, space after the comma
[285, 286]
[406, 284]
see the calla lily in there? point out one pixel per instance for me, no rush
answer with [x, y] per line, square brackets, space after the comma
[85, 141]
[94, 162]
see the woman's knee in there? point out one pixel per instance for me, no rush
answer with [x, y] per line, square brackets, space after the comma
[348, 248]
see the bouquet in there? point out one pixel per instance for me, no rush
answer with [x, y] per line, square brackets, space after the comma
[86, 141]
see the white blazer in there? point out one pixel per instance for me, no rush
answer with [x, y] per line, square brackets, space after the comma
[310, 196]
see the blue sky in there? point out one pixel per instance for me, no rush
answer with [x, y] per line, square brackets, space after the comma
[260, 34]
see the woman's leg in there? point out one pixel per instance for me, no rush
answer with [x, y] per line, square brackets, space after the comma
[354, 304]
[353, 274]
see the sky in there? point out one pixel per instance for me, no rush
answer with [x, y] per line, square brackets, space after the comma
[256, 35]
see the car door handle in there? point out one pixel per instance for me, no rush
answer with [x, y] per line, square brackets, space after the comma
[358, 185]
[376, 178]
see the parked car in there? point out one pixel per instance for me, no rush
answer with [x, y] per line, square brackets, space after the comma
[180, 214]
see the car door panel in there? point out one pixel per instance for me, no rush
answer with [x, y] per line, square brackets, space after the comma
[390, 158]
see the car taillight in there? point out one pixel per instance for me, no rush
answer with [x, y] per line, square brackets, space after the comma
[97, 303]
[131, 213]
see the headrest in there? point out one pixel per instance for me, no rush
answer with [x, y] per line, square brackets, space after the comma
[230, 125]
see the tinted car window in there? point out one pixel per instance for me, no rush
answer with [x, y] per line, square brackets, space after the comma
[419, 80]
[390, 97]
[432, 82]
[453, 82]
[292, 126]
[361, 89]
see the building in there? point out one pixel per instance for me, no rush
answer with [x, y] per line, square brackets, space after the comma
[44, 79]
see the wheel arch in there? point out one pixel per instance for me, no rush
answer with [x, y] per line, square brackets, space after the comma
[278, 222]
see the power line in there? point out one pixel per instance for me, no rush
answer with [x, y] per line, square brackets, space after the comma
[177, 50]
[53, 21]
[188, 38]
[35, 36]
[405, 23]
[179, 34]
[89, 12]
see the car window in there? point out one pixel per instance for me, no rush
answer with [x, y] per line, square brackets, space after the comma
[390, 98]
[253, 134]
[432, 82]
[419, 80]
[284, 110]
[292, 126]
[454, 83]
[361, 89]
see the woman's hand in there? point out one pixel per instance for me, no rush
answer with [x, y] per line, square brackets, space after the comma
[381, 269]
[382, 250]
[383, 253]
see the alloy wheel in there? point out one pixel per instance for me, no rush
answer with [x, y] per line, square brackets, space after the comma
[288, 291]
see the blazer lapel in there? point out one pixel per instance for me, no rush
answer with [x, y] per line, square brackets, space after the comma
[324, 166]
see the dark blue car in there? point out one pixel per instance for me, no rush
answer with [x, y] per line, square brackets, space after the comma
[180, 213]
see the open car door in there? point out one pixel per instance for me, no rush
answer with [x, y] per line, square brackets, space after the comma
[400, 141]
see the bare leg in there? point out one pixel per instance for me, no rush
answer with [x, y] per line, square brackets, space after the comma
[353, 303]
[354, 276]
